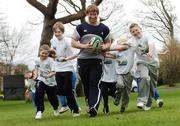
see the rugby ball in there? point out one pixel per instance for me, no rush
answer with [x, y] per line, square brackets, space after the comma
[96, 42]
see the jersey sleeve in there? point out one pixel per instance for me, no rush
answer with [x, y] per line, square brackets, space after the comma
[106, 35]
[52, 64]
[53, 45]
[76, 33]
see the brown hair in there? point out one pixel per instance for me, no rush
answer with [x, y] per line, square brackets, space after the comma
[58, 25]
[45, 47]
[52, 53]
[92, 8]
[133, 25]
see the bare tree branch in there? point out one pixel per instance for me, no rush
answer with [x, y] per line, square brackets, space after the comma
[38, 6]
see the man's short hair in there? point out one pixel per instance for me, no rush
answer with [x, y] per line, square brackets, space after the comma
[92, 8]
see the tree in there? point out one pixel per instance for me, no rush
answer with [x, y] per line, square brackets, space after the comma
[21, 69]
[49, 12]
[9, 43]
[170, 69]
[159, 17]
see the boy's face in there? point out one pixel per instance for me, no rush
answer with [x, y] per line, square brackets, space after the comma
[136, 32]
[92, 17]
[44, 54]
[58, 33]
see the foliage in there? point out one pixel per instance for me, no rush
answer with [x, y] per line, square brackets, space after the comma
[160, 18]
[170, 69]
[20, 69]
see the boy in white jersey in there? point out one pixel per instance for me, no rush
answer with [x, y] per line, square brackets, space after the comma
[45, 71]
[147, 65]
[108, 82]
[123, 65]
[64, 68]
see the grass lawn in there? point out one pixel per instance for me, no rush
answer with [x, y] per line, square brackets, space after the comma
[20, 113]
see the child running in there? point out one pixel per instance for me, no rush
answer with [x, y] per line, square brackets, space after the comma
[44, 68]
[147, 64]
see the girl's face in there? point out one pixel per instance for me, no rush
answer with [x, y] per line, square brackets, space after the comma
[92, 17]
[58, 33]
[44, 54]
[136, 32]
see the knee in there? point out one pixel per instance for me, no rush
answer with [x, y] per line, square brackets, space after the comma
[119, 86]
[145, 78]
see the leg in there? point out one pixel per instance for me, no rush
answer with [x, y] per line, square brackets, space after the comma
[154, 77]
[53, 99]
[144, 87]
[33, 101]
[94, 82]
[112, 89]
[119, 89]
[156, 94]
[127, 79]
[63, 101]
[74, 78]
[64, 105]
[83, 70]
[71, 101]
[39, 96]
[52, 96]
[104, 92]
[39, 99]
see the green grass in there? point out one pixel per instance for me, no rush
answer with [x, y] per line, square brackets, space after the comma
[20, 113]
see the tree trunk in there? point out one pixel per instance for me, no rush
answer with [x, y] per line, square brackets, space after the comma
[47, 32]
[49, 17]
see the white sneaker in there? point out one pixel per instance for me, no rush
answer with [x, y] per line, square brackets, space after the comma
[159, 103]
[140, 105]
[63, 109]
[38, 115]
[76, 114]
[146, 108]
[56, 112]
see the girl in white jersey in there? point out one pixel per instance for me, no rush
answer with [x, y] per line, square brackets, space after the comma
[45, 71]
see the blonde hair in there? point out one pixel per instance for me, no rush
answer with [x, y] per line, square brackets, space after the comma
[92, 8]
[58, 25]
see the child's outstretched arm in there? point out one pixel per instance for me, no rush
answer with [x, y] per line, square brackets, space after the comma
[109, 55]
[70, 57]
[52, 73]
[120, 46]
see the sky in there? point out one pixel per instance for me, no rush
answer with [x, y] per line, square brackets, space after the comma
[19, 15]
